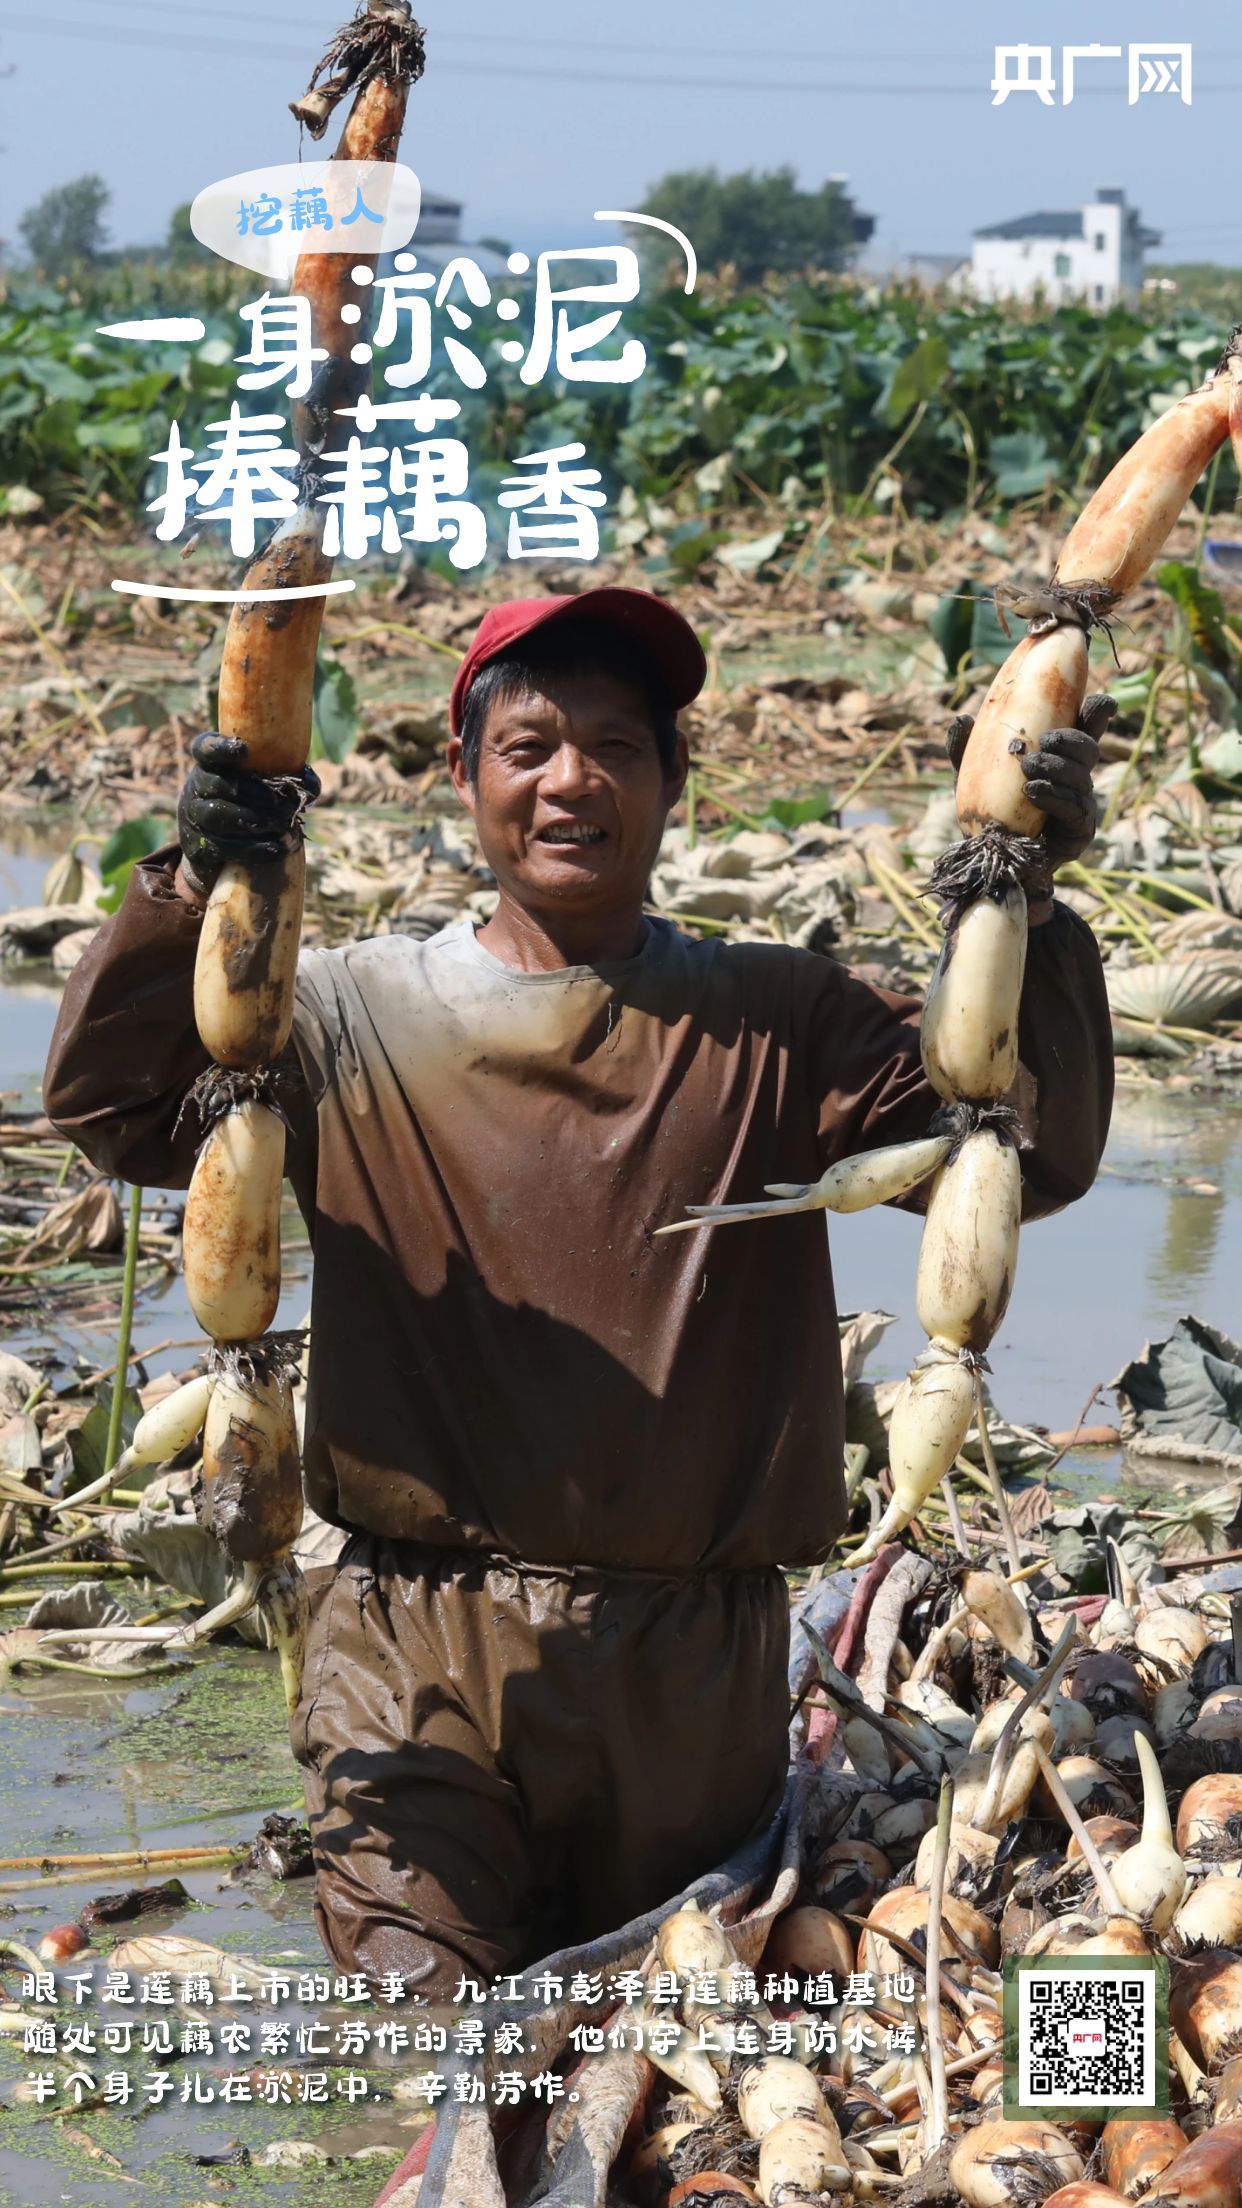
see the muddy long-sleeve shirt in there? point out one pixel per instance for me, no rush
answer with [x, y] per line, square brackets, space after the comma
[503, 1357]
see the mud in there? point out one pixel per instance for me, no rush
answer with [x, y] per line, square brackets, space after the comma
[195, 1759]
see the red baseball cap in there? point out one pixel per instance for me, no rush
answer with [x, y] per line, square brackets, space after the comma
[663, 636]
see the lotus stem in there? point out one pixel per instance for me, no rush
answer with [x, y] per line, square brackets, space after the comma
[22, 1954]
[111, 1859]
[1091, 1854]
[995, 1481]
[990, 1797]
[67, 1635]
[937, 2121]
[125, 1325]
[956, 1526]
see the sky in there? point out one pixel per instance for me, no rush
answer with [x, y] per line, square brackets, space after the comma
[536, 117]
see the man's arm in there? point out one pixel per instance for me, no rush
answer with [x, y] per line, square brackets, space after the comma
[126, 1052]
[871, 1088]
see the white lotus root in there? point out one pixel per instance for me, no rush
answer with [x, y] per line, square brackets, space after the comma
[246, 961]
[971, 1015]
[248, 944]
[232, 1225]
[970, 1026]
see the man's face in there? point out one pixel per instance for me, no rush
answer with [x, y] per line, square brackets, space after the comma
[571, 797]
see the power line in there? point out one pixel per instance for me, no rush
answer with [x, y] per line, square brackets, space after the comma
[117, 34]
[589, 45]
[121, 35]
[630, 46]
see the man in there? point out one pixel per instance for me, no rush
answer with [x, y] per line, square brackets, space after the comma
[545, 1684]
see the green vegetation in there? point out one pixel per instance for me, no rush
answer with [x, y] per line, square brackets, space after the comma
[760, 224]
[784, 396]
[1204, 285]
[180, 243]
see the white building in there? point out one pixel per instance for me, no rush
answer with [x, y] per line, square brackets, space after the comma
[438, 240]
[1093, 253]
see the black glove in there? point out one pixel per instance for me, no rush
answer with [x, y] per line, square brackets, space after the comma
[225, 814]
[1058, 775]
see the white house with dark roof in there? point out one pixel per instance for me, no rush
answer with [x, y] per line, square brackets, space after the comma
[1092, 253]
[438, 240]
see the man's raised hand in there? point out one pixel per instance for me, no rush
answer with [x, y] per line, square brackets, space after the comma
[225, 815]
[1058, 775]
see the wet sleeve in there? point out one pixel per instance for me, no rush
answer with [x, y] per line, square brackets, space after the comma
[126, 1052]
[869, 1087]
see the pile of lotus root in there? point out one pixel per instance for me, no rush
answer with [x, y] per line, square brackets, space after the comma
[1032, 1787]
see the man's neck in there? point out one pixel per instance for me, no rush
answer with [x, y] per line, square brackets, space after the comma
[539, 945]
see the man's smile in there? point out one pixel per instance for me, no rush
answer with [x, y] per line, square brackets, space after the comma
[581, 832]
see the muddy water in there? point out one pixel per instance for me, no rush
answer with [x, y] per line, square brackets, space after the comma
[194, 1759]
[28, 996]
[1098, 1279]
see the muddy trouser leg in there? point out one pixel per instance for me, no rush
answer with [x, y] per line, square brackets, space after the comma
[499, 1760]
[670, 1745]
[421, 1864]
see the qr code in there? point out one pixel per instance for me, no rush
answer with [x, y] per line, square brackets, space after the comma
[1087, 2038]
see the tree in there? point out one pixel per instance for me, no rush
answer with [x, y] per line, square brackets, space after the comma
[181, 246]
[760, 222]
[67, 225]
